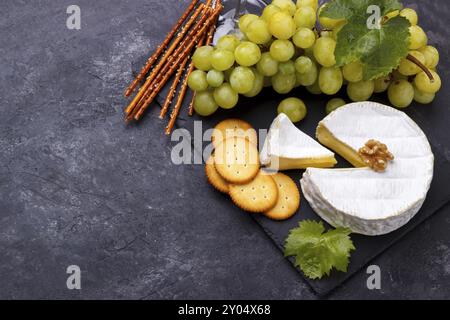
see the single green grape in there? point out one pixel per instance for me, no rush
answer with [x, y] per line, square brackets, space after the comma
[283, 84]
[401, 93]
[310, 77]
[287, 67]
[202, 58]
[330, 80]
[293, 108]
[247, 54]
[353, 72]
[308, 3]
[215, 78]
[282, 50]
[327, 23]
[334, 104]
[285, 5]
[245, 21]
[267, 66]
[360, 91]
[303, 64]
[242, 79]
[418, 38]
[204, 103]
[222, 60]
[228, 42]
[305, 17]
[314, 89]
[409, 68]
[269, 11]
[282, 26]
[431, 55]
[197, 81]
[381, 84]
[225, 96]
[422, 97]
[411, 15]
[324, 51]
[258, 32]
[304, 38]
[424, 84]
[258, 85]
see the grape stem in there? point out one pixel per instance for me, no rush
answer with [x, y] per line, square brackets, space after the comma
[421, 66]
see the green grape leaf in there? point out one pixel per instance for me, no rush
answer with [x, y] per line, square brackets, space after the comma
[317, 252]
[380, 49]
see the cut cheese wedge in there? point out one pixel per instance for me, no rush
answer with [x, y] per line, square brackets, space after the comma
[361, 199]
[288, 148]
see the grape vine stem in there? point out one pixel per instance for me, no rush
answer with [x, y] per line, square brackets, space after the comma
[421, 66]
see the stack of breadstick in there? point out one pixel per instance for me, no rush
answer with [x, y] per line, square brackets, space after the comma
[195, 28]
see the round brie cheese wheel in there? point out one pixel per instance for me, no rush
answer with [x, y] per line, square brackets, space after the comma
[368, 202]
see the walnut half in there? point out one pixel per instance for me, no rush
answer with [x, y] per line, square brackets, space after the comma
[376, 155]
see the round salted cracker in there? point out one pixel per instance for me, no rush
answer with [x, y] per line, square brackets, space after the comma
[233, 128]
[258, 196]
[288, 198]
[214, 178]
[237, 160]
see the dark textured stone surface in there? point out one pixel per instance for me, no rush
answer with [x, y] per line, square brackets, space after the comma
[79, 187]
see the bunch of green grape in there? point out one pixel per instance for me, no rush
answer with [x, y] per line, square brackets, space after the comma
[284, 49]
[409, 82]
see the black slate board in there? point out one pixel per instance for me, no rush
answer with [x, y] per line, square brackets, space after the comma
[261, 111]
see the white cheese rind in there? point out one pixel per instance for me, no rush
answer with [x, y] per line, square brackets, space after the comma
[285, 144]
[365, 201]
